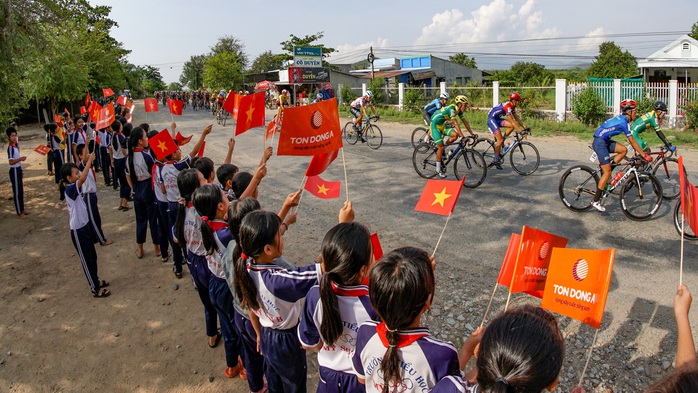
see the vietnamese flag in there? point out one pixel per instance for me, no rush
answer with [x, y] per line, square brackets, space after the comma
[94, 111]
[533, 260]
[88, 99]
[162, 144]
[250, 112]
[181, 139]
[175, 107]
[440, 196]
[376, 246]
[578, 282]
[121, 100]
[320, 162]
[107, 92]
[310, 130]
[106, 117]
[689, 195]
[201, 151]
[230, 103]
[323, 189]
[83, 110]
[507, 269]
[151, 105]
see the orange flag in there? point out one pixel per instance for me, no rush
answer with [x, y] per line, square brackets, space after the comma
[83, 110]
[507, 269]
[106, 117]
[107, 92]
[310, 130]
[376, 245]
[162, 144]
[320, 162]
[533, 260]
[250, 112]
[201, 151]
[271, 129]
[440, 196]
[689, 193]
[578, 282]
[121, 100]
[175, 107]
[151, 104]
[323, 189]
[43, 150]
[129, 105]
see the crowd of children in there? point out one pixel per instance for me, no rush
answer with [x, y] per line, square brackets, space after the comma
[364, 317]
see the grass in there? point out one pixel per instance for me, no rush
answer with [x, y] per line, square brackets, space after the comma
[478, 121]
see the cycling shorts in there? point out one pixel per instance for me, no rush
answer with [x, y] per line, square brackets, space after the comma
[438, 131]
[354, 111]
[494, 124]
[603, 149]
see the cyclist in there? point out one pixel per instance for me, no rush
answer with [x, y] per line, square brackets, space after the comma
[358, 109]
[439, 132]
[652, 119]
[284, 99]
[496, 120]
[433, 106]
[219, 101]
[603, 145]
[318, 98]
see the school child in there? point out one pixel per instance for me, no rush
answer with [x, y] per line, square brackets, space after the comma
[69, 138]
[520, 350]
[398, 354]
[118, 153]
[16, 174]
[167, 176]
[79, 136]
[55, 155]
[49, 162]
[335, 309]
[89, 193]
[105, 136]
[225, 174]
[139, 171]
[205, 166]
[80, 231]
[256, 278]
[189, 236]
[212, 207]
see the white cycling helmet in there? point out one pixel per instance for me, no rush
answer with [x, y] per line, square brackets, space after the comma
[444, 95]
[319, 96]
[368, 94]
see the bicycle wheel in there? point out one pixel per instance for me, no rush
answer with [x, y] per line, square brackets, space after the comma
[486, 148]
[419, 135]
[667, 172]
[471, 164]
[373, 136]
[578, 187]
[218, 118]
[424, 160]
[687, 231]
[640, 200]
[224, 119]
[350, 134]
[524, 158]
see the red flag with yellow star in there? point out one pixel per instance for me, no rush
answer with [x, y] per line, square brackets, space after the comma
[95, 108]
[162, 144]
[440, 196]
[175, 107]
[107, 92]
[151, 105]
[121, 100]
[323, 189]
[88, 99]
[250, 112]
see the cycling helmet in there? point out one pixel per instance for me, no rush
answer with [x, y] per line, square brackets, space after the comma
[660, 106]
[284, 91]
[514, 96]
[368, 94]
[461, 99]
[627, 105]
[444, 95]
[319, 96]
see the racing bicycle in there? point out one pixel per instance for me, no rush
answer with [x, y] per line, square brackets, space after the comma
[370, 133]
[688, 233]
[666, 168]
[222, 116]
[467, 162]
[523, 155]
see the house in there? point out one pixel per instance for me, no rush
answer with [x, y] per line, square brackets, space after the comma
[426, 70]
[678, 60]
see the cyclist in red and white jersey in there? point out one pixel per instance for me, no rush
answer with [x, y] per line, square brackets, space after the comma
[358, 108]
[504, 116]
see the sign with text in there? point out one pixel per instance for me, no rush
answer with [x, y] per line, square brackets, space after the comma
[299, 75]
[306, 56]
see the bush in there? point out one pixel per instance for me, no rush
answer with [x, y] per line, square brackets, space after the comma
[691, 112]
[412, 100]
[645, 105]
[589, 107]
[346, 95]
[376, 87]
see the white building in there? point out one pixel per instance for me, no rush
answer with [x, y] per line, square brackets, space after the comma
[678, 60]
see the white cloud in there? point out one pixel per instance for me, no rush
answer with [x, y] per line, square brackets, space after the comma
[348, 53]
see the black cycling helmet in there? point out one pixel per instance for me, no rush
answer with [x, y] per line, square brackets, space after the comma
[660, 106]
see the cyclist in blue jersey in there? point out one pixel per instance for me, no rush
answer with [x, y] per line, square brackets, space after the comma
[504, 116]
[604, 146]
[433, 106]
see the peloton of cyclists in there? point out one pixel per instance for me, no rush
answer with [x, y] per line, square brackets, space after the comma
[604, 146]
[433, 106]
[443, 135]
[650, 120]
[504, 116]
[358, 109]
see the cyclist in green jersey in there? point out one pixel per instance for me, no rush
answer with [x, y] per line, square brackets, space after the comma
[439, 132]
[652, 119]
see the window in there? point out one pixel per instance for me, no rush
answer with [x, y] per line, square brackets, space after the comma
[685, 46]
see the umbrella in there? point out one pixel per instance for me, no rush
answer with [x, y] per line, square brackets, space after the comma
[264, 85]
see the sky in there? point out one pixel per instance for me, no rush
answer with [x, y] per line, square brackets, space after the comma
[555, 33]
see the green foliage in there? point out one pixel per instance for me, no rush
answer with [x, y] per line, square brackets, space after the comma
[589, 107]
[691, 112]
[572, 74]
[175, 86]
[265, 62]
[193, 72]
[613, 62]
[376, 87]
[645, 104]
[222, 71]
[413, 100]
[694, 31]
[345, 95]
[308, 40]
[531, 74]
[463, 59]
[232, 45]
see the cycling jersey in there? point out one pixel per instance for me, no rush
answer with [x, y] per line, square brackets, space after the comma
[433, 106]
[284, 100]
[358, 103]
[503, 109]
[641, 124]
[438, 120]
[612, 127]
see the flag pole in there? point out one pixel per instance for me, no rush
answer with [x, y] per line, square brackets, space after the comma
[346, 184]
[442, 233]
[681, 261]
[488, 305]
[591, 350]
[301, 189]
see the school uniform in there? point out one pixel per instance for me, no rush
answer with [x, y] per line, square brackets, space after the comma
[144, 196]
[89, 193]
[55, 157]
[161, 211]
[79, 138]
[455, 384]
[103, 153]
[81, 234]
[336, 372]
[426, 360]
[168, 177]
[16, 177]
[198, 266]
[119, 143]
[69, 146]
[282, 291]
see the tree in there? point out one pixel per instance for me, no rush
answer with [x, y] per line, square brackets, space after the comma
[266, 61]
[174, 86]
[694, 31]
[308, 40]
[232, 45]
[613, 62]
[463, 59]
[527, 73]
[193, 72]
[222, 70]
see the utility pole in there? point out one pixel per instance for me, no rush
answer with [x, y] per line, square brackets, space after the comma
[370, 60]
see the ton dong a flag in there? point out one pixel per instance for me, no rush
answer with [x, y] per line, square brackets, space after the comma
[533, 260]
[578, 282]
[689, 193]
[310, 130]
